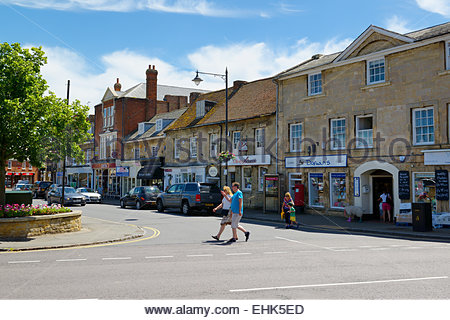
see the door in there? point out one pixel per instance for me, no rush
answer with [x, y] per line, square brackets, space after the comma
[169, 196]
[129, 196]
[380, 185]
[177, 195]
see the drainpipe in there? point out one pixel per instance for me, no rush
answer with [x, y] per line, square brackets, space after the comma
[276, 129]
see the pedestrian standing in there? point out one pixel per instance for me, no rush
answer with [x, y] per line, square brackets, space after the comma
[226, 214]
[292, 216]
[237, 210]
[385, 198]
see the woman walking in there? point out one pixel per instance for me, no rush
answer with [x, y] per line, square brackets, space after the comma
[226, 216]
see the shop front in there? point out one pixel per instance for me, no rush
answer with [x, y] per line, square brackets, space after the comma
[194, 173]
[80, 176]
[106, 180]
[127, 173]
[151, 174]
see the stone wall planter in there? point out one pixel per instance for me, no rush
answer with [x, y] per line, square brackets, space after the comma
[25, 227]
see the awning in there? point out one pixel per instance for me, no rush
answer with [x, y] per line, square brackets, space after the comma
[151, 172]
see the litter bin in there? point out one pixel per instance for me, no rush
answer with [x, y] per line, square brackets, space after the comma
[421, 217]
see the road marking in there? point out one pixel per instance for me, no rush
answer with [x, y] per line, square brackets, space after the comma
[70, 260]
[379, 249]
[158, 257]
[345, 250]
[412, 248]
[338, 284]
[275, 252]
[307, 251]
[238, 254]
[30, 261]
[290, 240]
[367, 247]
[199, 255]
[118, 258]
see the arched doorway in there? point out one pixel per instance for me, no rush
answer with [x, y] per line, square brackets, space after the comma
[375, 178]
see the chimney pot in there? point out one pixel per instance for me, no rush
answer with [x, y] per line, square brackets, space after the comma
[117, 85]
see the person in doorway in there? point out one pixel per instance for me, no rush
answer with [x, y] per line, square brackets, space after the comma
[286, 210]
[385, 198]
[226, 214]
[237, 210]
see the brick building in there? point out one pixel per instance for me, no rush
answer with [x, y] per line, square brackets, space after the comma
[16, 170]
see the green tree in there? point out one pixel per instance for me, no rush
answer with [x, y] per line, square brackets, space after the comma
[32, 122]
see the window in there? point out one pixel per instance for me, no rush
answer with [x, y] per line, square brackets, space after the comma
[9, 164]
[425, 188]
[105, 116]
[24, 165]
[193, 147]
[247, 178]
[337, 190]
[259, 141]
[213, 145]
[447, 49]
[295, 137]
[159, 124]
[315, 84]
[236, 142]
[337, 134]
[423, 126]
[364, 132]
[176, 148]
[137, 152]
[155, 150]
[316, 189]
[261, 173]
[108, 117]
[375, 71]
[88, 156]
[30, 167]
[200, 109]
[102, 147]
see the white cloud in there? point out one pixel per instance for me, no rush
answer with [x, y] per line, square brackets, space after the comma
[441, 7]
[397, 24]
[199, 7]
[244, 62]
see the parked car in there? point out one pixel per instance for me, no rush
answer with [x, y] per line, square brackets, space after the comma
[39, 188]
[140, 197]
[23, 187]
[70, 196]
[51, 187]
[90, 195]
[190, 196]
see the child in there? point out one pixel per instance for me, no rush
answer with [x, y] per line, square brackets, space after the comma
[292, 216]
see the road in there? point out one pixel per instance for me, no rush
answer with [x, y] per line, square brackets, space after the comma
[184, 262]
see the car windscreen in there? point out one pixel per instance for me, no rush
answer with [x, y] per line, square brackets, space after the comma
[191, 187]
[83, 190]
[45, 184]
[67, 190]
[209, 188]
[151, 190]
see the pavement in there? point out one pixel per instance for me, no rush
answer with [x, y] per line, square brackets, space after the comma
[98, 231]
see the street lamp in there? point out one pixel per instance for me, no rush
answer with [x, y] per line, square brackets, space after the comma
[224, 77]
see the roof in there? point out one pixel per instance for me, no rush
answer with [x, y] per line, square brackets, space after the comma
[151, 132]
[414, 36]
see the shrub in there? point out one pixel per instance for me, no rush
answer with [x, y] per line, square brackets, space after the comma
[16, 210]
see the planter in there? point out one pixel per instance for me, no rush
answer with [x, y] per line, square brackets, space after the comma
[25, 227]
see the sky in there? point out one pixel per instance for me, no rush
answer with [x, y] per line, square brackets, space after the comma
[93, 42]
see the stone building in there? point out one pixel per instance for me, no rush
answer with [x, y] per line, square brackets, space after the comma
[372, 118]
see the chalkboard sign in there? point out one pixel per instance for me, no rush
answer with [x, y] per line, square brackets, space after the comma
[403, 185]
[441, 185]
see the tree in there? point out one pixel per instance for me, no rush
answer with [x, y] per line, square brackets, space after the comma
[30, 119]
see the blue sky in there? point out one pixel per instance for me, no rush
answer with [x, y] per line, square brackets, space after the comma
[92, 42]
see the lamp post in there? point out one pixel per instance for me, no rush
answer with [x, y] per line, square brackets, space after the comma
[224, 77]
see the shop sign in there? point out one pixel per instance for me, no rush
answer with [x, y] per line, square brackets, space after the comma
[436, 157]
[167, 170]
[403, 185]
[319, 161]
[122, 171]
[103, 165]
[212, 171]
[252, 160]
[356, 187]
[442, 191]
[59, 174]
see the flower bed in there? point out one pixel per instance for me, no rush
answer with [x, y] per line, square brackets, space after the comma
[16, 210]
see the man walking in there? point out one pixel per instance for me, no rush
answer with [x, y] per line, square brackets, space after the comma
[237, 209]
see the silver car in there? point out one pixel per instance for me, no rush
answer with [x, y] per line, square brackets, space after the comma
[90, 195]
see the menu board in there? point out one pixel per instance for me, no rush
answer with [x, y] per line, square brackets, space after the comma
[441, 185]
[403, 185]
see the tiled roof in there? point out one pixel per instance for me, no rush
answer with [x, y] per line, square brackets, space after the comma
[311, 63]
[139, 91]
[430, 32]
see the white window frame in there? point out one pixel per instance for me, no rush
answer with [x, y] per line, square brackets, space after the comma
[360, 144]
[331, 189]
[30, 167]
[159, 124]
[102, 147]
[261, 178]
[200, 108]
[105, 116]
[88, 156]
[236, 143]
[315, 84]
[24, 165]
[176, 151]
[193, 148]
[332, 135]
[368, 70]
[292, 145]
[259, 140]
[9, 164]
[244, 188]
[415, 128]
[213, 144]
[136, 152]
[309, 190]
[447, 54]
[112, 144]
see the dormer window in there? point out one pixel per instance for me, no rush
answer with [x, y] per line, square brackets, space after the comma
[141, 128]
[159, 124]
[203, 107]
[376, 71]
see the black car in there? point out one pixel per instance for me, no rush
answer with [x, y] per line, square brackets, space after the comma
[70, 196]
[39, 188]
[140, 197]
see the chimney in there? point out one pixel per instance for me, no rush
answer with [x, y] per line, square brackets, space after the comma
[193, 96]
[152, 76]
[237, 84]
[117, 85]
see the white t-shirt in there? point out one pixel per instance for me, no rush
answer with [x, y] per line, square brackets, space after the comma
[226, 204]
[384, 197]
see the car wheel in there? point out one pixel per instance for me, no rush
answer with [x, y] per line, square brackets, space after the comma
[138, 205]
[159, 206]
[122, 204]
[83, 204]
[185, 208]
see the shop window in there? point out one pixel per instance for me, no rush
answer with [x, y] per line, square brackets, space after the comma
[295, 137]
[337, 134]
[316, 190]
[262, 171]
[337, 190]
[425, 188]
[423, 126]
[375, 71]
[247, 178]
[364, 132]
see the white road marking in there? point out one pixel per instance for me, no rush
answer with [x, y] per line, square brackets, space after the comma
[345, 250]
[290, 240]
[275, 252]
[238, 254]
[158, 257]
[412, 248]
[199, 255]
[31, 261]
[379, 249]
[119, 258]
[70, 260]
[338, 284]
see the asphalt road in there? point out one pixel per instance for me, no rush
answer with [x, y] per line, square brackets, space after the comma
[184, 262]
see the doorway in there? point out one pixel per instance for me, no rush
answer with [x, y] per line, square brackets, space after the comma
[381, 182]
